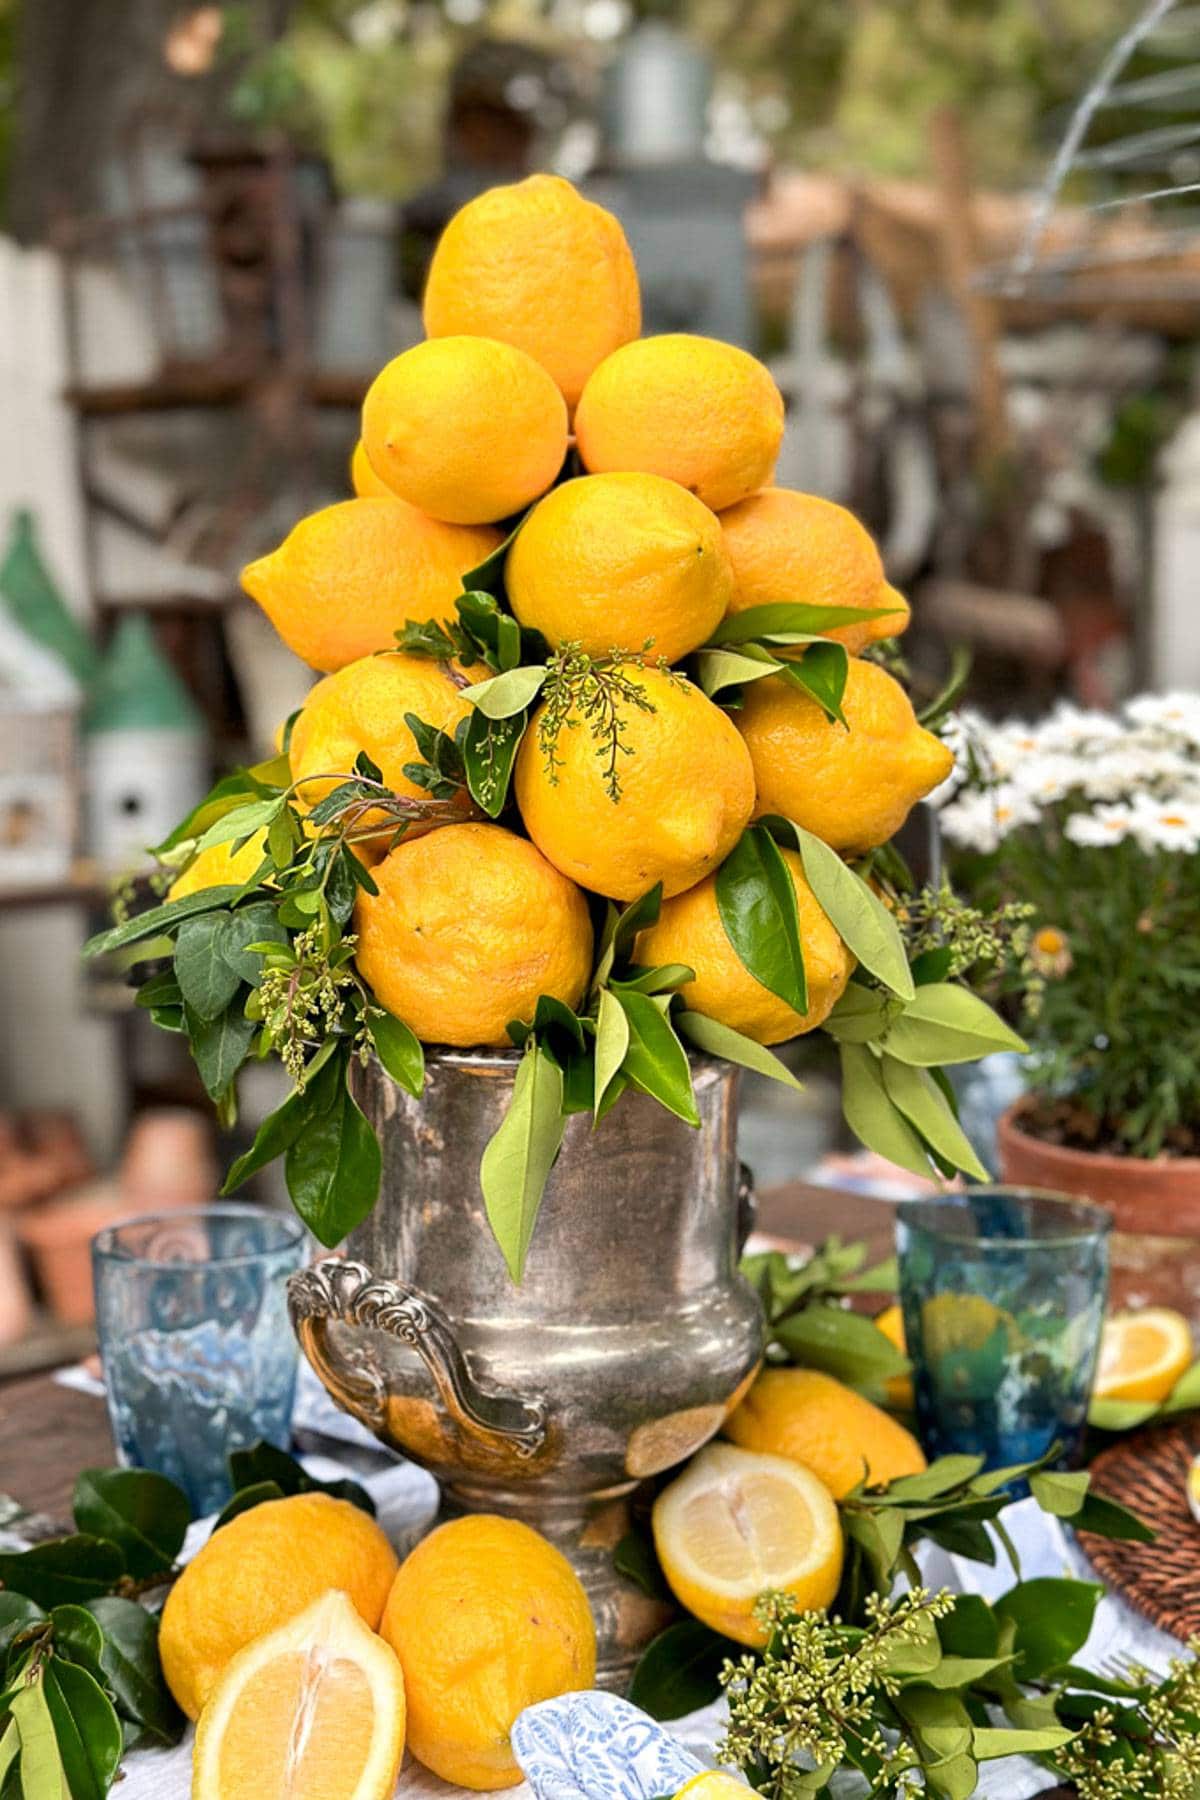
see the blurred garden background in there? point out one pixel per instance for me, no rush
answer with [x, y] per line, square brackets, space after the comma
[215, 224]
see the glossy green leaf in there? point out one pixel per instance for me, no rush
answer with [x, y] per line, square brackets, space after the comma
[257, 923]
[873, 1117]
[90, 1741]
[862, 1015]
[78, 1636]
[678, 1671]
[10, 1749]
[280, 1129]
[821, 672]
[666, 978]
[333, 1167]
[503, 696]
[915, 1094]
[399, 1050]
[612, 1042]
[206, 980]
[143, 1513]
[263, 1462]
[133, 1670]
[992, 1742]
[219, 1046]
[64, 1570]
[944, 1023]
[246, 1499]
[489, 752]
[517, 1162]
[1053, 1619]
[17, 1612]
[242, 822]
[655, 1061]
[717, 670]
[635, 917]
[858, 915]
[159, 919]
[842, 1343]
[42, 1775]
[1108, 1518]
[634, 1558]
[785, 619]
[1060, 1492]
[757, 904]
[722, 1040]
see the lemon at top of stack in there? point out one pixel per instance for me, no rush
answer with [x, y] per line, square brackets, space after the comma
[686, 791]
[623, 561]
[789, 546]
[537, 266]
[689, 930]
[842, 1437]
[347, 577]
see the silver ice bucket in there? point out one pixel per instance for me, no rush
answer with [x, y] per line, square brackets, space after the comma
[627, 1343]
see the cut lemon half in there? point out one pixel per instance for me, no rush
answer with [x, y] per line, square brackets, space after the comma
[713, 1785]
[1142, 1354]
[313, 1711]
[738, 1523]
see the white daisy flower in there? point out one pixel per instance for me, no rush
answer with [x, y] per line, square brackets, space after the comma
[979, 821]
[1046, 778]
[1178, 712]
[1171, 824]
[1074, 727]
[1103, 825]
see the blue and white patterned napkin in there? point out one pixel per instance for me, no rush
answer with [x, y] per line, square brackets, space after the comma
[582, 1746]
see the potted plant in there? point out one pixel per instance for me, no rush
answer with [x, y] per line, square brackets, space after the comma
[1093, 819]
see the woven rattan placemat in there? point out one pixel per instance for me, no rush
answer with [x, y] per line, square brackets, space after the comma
[1148, 1472]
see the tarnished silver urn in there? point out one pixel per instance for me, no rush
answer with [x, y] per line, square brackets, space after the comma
[627, 1343]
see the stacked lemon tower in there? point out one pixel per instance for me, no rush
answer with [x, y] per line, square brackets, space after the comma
[533, 365]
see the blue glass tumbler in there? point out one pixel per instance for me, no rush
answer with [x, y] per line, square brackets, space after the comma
[1003, 1291]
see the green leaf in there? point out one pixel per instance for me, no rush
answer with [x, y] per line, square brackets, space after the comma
[841, 1343]
[488, 576]
[219, 1046]
[87, 1728]
[246, 1499]
[757, 904]
[253, 924]
[656, 1062]
[503, 696]
[720, 669]
[65, 1570]
[1121, 1415]
[517, 1162]
[612, 1043]
[635, 917]
[952, 690]
[1053, 1619]
[1059, 1492]
[862, 1015]
[42, 1775]
[205, 979]
[264, 1462]
[992, 1743]
[964, 1671]
[1109, 1519]
[915, 1094]
[1186, 1393]
[635, 1559]
[16, 1612]
[716, 1039]
[143, 1513]
[489, 751]
[858, 915]
[822, 672]
[679, 1669]
[941, 1477]
[666, 978]
[785, 619]
[242, 822]
[399, 1050]
[280, 1129]
[159, 919]
[871, 1114]
[880, 1535]
[970, 1631]
[10, 1749]
[948, 1024]
[333, 1167]
[133, 1670]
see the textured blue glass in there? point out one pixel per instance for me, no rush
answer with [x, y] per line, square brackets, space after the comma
[198, 1353]
[1003, 1291]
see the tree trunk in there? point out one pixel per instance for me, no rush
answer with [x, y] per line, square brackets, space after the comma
[91, 70]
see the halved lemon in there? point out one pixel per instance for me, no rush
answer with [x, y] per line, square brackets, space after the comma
[314, 1710]
[713, 1785]
[1142, 1354]
[737, 1523]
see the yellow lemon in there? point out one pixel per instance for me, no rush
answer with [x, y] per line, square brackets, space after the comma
[686, 790]
[736, 1524]
[262, 1569]
[702, 413]
[363, 707]
[467, 429]
[345, 579]
[220, 866]
[540, 267]
[852, 787]
[620, 562]
[487, 1618]
[712, 1784]
[815, 1420]
[313, 1710]
[790, 546]
[363, 479]
[689, 931]
[470, 925]
[899, 1389]
[1142, 1354]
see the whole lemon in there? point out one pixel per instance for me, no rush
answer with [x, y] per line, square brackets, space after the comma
[540, 267]
[363, 479]
[470, 925]
[346, 578]
[686, 789]
[620, 562]
[899, 1389]
[799, 547]
[363, 707]
[220, 866]
[815, 1420]
[702, 413]
[263, 1568]
[852, 787]
[487, 1618]
[689, 930]
[467, 429]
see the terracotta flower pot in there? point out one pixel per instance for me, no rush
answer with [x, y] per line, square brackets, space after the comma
[57, 1235]
[1154, 1201]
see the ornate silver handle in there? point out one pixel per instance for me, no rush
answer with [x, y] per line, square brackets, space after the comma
[350, 1293]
